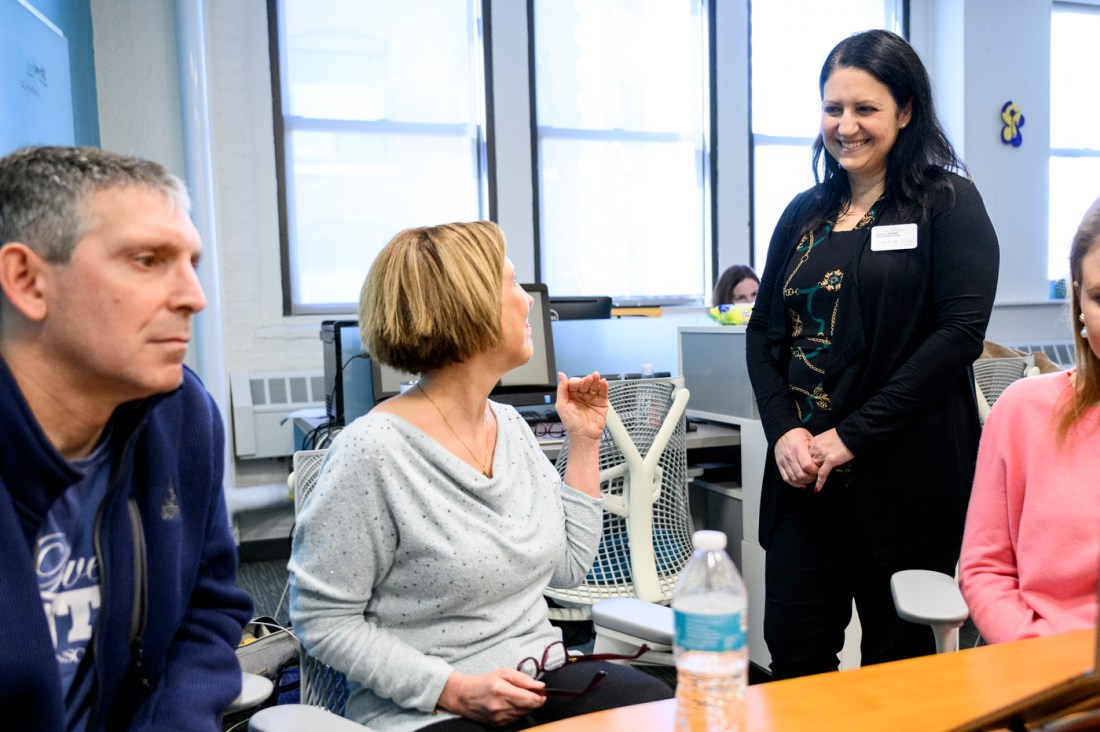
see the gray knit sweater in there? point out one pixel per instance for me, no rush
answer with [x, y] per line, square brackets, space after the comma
[409, 564]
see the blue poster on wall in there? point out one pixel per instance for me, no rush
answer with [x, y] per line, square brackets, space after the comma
[36, 105]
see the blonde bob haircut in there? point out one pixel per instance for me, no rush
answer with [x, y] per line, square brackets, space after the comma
[432, 296]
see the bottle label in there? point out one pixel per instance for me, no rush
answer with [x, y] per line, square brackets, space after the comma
[719, 633]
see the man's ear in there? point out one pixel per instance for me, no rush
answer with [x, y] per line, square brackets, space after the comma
[22, 279]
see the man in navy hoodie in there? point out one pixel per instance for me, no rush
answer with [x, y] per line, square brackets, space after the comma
[116, 556]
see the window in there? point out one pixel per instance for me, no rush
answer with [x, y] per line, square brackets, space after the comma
[621, 98]
[382, 127]
[1074, 130]
[790, 41]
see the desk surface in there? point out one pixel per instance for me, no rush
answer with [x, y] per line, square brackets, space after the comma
[928, 693]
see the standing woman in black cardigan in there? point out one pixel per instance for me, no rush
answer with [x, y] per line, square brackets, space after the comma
[875, 297]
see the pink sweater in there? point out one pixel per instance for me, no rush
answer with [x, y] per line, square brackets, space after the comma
[1032, 543]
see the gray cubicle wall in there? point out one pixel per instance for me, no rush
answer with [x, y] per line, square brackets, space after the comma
[621, 345]
[712, 361]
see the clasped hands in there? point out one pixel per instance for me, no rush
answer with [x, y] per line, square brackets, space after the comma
[806, 460]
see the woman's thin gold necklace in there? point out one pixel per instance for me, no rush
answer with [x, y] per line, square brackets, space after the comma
[486, 471]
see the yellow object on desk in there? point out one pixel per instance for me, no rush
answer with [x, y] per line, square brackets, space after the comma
[732, 314]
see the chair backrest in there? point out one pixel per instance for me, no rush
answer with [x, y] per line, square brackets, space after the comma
[320, 685]
[993, 375]
[647, 523]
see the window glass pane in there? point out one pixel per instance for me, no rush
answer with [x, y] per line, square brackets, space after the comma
[378, 134]
[1074, 130]
[790, 41]
[365, 59]
[1074, 106]
[1073, 188]
[629, 64]
[621, 96]
[353, 192]
[781, 169]
[608, 246]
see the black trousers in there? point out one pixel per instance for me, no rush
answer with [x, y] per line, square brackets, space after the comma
[623, 686]
[818, 562]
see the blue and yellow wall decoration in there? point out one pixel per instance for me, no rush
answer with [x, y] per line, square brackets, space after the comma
[1013, 120]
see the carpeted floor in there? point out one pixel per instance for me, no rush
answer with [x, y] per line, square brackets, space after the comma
[265, 581]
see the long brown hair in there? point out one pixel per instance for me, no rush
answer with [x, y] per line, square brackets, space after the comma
[1087, 382]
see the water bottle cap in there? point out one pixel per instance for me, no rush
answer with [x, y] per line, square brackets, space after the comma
[710, 541]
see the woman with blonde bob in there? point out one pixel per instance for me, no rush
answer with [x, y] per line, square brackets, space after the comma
[1029, 555]
[421, 558]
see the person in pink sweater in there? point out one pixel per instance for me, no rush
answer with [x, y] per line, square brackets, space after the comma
[1031, 547]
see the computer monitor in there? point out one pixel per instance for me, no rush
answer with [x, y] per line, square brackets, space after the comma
[597, 307]
[354, 382]
[387, 380]
[349, 389]
[535, 382]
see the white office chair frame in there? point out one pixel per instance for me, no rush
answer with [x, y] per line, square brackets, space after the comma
[635, 485]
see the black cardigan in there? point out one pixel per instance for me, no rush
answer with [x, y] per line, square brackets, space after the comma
[910, 323]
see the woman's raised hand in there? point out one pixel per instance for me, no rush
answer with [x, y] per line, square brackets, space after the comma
[582, 405]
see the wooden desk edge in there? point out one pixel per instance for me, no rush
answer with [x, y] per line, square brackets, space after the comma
[930, 692]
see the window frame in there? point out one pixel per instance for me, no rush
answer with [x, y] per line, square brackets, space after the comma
[483, 155]
[706, 160]
[898, 10]
[1058, 287]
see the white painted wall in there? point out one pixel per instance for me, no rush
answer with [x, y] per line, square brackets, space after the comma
[137, 79]
[981, 53]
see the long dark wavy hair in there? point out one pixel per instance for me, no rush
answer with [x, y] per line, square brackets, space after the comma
[917, 163]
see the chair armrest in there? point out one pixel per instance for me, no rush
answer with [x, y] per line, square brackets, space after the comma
[638, 618]
[254, 690]
[929, 598]
[296, 717]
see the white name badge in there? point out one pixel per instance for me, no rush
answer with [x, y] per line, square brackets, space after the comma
[893, 238]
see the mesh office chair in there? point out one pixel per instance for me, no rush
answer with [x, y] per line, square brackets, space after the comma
[643, 475]
[993, 375]
[323, 690]
[933, 598]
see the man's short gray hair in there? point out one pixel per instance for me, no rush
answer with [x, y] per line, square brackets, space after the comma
[46, 192]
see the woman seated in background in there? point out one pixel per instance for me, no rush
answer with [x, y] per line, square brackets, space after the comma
[738, 284]
[1032, 541]
[421, 557]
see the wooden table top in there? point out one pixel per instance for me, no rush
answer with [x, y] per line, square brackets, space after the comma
[927, 693]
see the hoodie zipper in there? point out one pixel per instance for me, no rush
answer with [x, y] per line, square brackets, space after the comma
[138, 605]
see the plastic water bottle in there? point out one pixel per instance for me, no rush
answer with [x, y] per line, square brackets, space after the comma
[711, 653]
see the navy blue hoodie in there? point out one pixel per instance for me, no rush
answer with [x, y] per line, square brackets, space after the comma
[163, 648]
